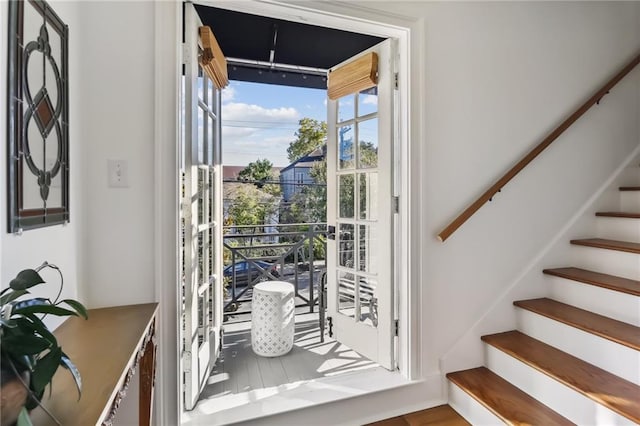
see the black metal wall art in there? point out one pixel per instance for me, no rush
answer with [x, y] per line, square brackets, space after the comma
[38, 117]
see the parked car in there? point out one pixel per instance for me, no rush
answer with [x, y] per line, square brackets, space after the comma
[250, 271]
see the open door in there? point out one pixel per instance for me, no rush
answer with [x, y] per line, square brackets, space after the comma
[360, 204]
[201, 189]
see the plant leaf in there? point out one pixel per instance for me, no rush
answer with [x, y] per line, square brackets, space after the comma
[7, 323]
[30, 324]
[66, 363]
[41, 306]
[9, 297]
[23, 418]
[79, 307]
[26, 279]
[45, 369]
[24, 344]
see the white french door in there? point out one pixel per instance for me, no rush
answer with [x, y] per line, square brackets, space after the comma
[360, 215]
[201, 186]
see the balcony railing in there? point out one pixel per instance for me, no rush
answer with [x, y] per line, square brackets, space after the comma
[285, 252]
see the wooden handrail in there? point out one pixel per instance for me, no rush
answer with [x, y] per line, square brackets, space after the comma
[496, 187]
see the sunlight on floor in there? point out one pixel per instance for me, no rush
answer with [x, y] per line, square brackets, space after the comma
[242, 379]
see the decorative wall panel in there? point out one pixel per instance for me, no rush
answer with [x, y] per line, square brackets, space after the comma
[38, 117]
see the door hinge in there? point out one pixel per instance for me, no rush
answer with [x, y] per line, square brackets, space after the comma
[395, 80]
[186, 361]
[396, 204]
[397, 328]
[330, 322]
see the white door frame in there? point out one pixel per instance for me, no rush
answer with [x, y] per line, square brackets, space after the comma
[168, 37]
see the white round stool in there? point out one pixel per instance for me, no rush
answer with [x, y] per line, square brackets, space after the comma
[273, 318]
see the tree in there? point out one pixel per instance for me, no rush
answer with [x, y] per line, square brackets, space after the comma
[250, 206]
[310, 135]
[258, 171]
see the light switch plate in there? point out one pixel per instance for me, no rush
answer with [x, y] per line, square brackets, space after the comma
[118, 173]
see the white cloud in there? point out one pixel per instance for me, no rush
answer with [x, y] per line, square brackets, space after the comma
[237, 111]
[228, 93]
[369, 99]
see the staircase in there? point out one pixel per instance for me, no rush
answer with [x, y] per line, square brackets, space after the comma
[575, 358]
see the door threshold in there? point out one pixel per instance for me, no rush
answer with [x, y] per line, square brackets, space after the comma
[259, 403]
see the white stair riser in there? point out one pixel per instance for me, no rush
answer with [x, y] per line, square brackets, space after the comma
[560, 398]
[612, 262]
[618, 228]
[630, 201]
[610, 356]
[467, 406]
[613, 304]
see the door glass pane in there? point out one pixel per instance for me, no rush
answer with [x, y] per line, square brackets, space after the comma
[346, 108]
[346, 196]
[212, 199]
[201, 84]
[201, 195]
[368, 259]
[346, 150]
[210, 140]
[200, 147]
[368, 145]
[368, 101]
[347, 245]
[368, 196]
[200, 257]
[368, 301]
[209, 92]
[346, 294]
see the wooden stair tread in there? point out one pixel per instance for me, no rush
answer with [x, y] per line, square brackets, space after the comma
[626, 215]
[510, 404]
[626, 246]
[605, 327]
[442, 415]
[611, 282]
[629, 188]
[607, 389]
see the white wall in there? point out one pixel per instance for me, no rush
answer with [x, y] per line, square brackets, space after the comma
[117, 75]
[498, 78]
[58, 244]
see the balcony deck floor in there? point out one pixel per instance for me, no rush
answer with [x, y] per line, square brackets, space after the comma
[241, 374]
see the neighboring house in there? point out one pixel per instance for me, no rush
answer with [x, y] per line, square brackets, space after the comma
[296, 175]
[230, 173]
[487, 81]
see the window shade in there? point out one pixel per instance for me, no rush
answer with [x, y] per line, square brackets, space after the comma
[212, 59]
[353, 77]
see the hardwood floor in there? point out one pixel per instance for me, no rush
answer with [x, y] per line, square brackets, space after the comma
[443, 415]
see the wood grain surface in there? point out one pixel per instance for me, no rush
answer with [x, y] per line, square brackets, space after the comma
[611, 282]
[627, 246]
[443, 415]
[607, 389]
[103, 348]
[625, 215]
[506, 401]
[605, 327]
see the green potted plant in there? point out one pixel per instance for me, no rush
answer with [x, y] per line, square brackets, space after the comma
[29, 352]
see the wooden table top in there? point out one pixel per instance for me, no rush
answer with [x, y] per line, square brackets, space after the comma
[103, 348]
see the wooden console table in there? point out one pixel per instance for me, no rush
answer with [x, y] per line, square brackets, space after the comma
[107, 348]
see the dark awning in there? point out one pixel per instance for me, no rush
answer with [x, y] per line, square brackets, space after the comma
[276, 51]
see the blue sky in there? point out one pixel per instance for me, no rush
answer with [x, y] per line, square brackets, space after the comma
[260, 120]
